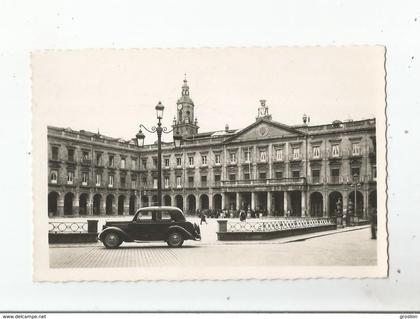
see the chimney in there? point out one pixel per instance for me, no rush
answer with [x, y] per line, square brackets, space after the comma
[226, 128]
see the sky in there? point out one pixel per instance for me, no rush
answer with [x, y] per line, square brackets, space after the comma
[113, 91]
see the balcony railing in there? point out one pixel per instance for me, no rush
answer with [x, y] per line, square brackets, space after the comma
[262, 182]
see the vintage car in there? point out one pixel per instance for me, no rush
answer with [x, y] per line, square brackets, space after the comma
[163, 223]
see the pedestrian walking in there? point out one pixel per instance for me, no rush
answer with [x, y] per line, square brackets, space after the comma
[203, 218]
[242, 215]
[373, 223]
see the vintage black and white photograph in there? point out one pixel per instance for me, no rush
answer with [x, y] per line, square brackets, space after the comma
[230, 163]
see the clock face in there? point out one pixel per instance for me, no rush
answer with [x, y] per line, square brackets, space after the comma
[179, 106]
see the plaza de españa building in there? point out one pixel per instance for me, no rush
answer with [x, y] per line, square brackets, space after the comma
[277, 169]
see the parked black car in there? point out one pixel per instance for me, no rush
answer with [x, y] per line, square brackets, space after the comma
[163, 223]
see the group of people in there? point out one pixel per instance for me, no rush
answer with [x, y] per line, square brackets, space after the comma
[228, 213]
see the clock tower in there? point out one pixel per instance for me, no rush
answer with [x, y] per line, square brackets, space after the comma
[185, 123]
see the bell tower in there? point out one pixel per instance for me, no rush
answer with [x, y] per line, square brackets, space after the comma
[184, 122]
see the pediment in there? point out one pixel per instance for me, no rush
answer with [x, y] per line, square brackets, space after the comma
[262, 130]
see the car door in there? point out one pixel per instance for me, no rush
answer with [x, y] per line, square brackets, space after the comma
[140, 228]
[162, 220]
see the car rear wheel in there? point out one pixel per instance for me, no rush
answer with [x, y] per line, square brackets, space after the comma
[112, 240]
[175, 239]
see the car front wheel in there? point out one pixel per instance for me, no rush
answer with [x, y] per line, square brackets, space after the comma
[175, 239]
[112, 240]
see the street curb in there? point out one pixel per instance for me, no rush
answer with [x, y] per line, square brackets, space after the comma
[243, 242]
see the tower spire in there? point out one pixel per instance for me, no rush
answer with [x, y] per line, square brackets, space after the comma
[185, 87]
[185, 120]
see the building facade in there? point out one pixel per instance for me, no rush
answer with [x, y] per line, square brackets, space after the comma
[300, 170]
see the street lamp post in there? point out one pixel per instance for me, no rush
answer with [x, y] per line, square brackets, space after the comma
[355, 184]
[159, 129]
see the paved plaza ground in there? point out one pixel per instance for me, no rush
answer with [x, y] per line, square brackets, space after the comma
[344, 247]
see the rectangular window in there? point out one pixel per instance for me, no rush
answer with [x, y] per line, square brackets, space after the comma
[203, 180]
[111, 180]
[336, 150]
[335, 175]
[144, 163]
[54, 153]
[98, 159]
[111, 161]
[70, 177]
[122, 181]
[178, 161]
[134, 163]
[263, 156]
[133, 183]
[279, 174]
[217, 158]
[166, 162]
[315, 175]
[355, 171]
[233, 158]
[279, 154]
[263, 175]
[190, 181]
[166, 182]
[155, 183]
[204, 160]
[85, 155]
[247, 156]
[355, 149]
[144, 180]
[296, 153]
[232, 177]
[70, 155]
[191, 161]
[316, 152]
[374, 171]
[54, 178]
[217, 178]
[295, 174]
[178, 181]
[154, 162]
[84, 178]
[98, 179]
[246, 176]
[122, 163]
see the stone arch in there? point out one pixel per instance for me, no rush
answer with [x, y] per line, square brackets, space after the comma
[132, 205]
[97, 199]
[121, 200]
[373, 199]
[53, 204]
[68, 204]
[191, 204]
[217, 201]
[154, 200]
[109, 205]
[358, 204]
[204, 201]
[333, 198]
[83, 200]
[144, 201]
[296, 203]
[167, 200]
[179, 202]
[316, 204]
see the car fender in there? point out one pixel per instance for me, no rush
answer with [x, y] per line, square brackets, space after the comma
[182, 230]
[123, 234]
